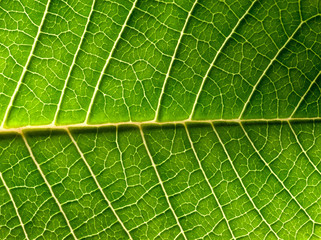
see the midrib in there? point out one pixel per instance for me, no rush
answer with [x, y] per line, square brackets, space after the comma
[153, 123]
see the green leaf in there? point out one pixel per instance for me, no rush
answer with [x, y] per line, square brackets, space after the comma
[146, 119]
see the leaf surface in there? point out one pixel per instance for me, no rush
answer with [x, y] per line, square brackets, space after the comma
[140, 119]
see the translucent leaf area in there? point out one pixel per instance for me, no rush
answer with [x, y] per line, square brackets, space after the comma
[160, 119]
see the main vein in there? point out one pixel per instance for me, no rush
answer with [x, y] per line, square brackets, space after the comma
[156, 123]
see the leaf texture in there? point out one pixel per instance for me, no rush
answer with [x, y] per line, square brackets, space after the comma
[172, 119]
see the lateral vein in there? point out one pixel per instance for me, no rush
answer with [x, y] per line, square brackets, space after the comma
[172, 60]
[25, 67]
[215, 58]
[14, 205]
[161, 182]
[208, 182]
[274, 174]
[304, 95]
[73, 62]
[107, 62]
[240, 179]
[270, 64]
[97, 183]
[47, 183]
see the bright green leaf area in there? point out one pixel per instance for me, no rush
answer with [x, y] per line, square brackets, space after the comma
[160, 119]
